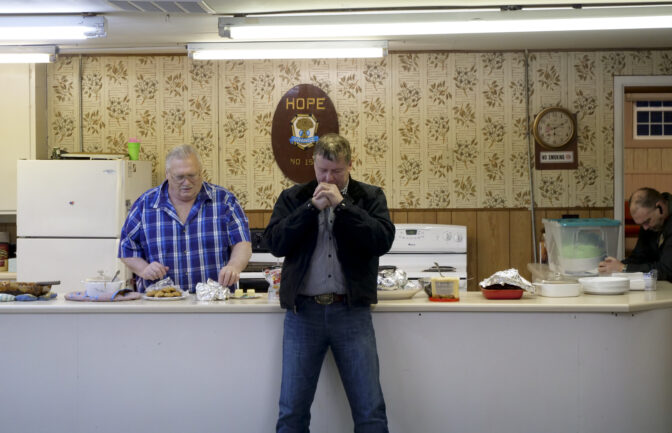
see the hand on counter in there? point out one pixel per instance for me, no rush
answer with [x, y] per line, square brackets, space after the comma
[146, 271]
[610, 265]
[240, 255]
[228, 275]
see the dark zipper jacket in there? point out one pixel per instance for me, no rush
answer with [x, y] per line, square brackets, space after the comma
[362, 229]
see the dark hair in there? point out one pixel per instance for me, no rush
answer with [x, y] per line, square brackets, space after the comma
[645, 197]
[333, 147]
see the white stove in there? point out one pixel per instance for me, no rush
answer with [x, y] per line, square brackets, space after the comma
[416, 249]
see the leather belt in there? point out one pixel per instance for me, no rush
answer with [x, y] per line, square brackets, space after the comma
[328, 298]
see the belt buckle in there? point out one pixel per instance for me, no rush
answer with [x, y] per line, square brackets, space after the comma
[325, 299]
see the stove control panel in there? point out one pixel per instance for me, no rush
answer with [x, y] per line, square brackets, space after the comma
[429, 238]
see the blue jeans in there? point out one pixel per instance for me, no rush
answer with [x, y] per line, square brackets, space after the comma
[308, 334]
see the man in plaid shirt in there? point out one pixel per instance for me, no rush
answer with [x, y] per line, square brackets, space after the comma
[186, 229]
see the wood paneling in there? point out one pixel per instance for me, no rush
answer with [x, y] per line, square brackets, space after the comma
[468, 218]
[443, 217]
[492, 240]
[520, 241]
[415, 216]
[399, 217]
[256, 219]
[647, 166]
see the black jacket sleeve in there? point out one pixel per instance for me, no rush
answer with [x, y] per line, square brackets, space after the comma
[648, 255]
[365, 227]
[293, 223]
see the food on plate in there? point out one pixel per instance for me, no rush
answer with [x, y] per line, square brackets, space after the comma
[21, 288]
[238, 293]
[166, 292]
[251, 293]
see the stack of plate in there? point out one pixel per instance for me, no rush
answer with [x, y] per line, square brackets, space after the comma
[605, 285]
[636, 279]
[558, 289]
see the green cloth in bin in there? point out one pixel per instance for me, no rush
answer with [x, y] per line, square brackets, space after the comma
[581, 251]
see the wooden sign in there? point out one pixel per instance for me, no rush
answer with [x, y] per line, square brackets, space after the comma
[303, 114]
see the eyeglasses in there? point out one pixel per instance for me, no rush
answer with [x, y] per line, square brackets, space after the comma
[182, 177]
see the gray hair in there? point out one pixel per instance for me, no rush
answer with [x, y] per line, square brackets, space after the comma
[645, 197]
[333, 147]
[183, 151]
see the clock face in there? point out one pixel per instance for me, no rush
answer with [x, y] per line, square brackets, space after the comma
[554, 127]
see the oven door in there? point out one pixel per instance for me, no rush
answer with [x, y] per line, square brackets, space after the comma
[252, 276]
[253, 280]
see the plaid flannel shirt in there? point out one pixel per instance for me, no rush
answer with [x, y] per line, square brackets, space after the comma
[194, 251]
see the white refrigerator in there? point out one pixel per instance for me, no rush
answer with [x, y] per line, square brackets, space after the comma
[69, 218]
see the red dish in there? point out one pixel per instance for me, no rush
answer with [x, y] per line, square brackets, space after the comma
[502, 293]
[437, 299]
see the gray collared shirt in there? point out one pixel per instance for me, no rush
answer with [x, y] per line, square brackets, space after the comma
[325, 274]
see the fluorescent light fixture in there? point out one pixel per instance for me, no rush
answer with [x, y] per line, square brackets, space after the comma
[28, 54]
[372, 12]
[441, 23]
[50, 27]
[287, 50]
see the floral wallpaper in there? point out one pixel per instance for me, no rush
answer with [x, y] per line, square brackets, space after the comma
[435, 130]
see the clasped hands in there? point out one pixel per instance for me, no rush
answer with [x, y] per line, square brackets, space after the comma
[326, 195]
[610, 265]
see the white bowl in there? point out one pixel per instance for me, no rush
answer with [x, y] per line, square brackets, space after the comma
[558, 289]
[95, 287]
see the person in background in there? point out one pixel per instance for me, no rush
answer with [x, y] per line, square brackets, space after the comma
[331, 232]
[651, 210]
[186, 229]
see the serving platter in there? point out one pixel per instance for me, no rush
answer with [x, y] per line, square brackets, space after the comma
[171, 298]
[393, 295]
[602, 291]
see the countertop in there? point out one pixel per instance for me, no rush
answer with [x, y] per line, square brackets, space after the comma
[629, 302]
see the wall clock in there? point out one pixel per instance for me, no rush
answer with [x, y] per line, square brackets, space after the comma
[554, 128]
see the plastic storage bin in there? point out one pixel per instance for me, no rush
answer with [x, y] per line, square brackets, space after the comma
[576, 246]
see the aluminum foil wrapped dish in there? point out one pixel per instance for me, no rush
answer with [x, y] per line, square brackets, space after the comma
[211, 291]
[507, 284]
[392, 279]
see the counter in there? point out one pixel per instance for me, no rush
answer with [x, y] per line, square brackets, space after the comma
[587, 364]
[629, 302]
